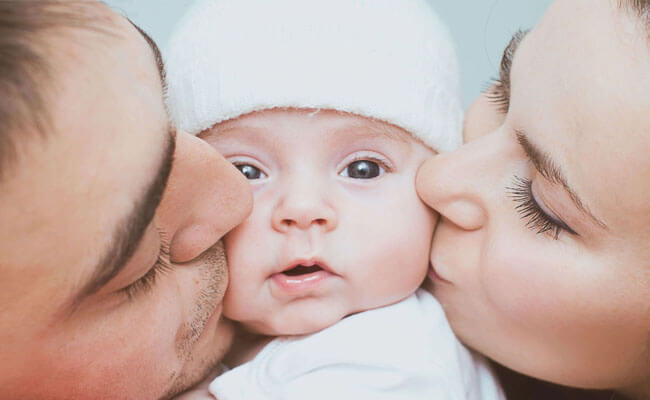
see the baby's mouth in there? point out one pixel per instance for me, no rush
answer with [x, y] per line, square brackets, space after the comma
[302, 270]
[302, 277]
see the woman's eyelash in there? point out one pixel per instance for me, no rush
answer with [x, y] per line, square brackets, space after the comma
[145, 283]
[521, 192]
[498, 94]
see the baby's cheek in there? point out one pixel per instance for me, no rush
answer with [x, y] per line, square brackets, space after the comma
[421, 234]
[239, 303]
[241, 255]
[232, 301]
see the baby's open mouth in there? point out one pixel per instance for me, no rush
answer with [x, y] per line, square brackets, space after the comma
[302, 270]
[302, 276]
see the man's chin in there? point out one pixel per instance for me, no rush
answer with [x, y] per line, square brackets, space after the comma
[204, 364]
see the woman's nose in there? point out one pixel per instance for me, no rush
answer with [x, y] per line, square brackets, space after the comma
[455, 184]
[205, 198]
[304, 205]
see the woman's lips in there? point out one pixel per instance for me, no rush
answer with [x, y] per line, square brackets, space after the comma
[433, 274]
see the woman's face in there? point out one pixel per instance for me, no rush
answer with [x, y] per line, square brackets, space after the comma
[542, 256]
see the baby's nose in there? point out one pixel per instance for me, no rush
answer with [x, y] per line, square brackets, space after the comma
[303, 209]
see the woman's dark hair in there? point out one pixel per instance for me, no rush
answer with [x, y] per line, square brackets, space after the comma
[520, 387]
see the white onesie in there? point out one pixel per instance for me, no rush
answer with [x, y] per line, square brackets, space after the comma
[398, 352]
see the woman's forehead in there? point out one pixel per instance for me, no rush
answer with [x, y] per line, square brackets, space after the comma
[580, 84]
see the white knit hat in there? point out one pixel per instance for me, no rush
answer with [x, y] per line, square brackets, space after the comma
[392, 60]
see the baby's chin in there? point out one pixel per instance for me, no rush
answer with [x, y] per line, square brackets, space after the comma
[293, 326]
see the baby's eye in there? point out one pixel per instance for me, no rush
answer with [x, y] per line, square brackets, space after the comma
[250, 172]
[362, 169]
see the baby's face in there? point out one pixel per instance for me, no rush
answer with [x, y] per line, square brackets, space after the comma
[336, 227]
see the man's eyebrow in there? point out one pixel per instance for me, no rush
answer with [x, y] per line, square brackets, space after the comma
[156, 54]
[129, 232]
[545, 165]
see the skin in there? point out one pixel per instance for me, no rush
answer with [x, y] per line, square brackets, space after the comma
[308, 206]
[571, 308]
[60, 207]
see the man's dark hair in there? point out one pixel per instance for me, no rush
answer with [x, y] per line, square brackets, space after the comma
[641, 8]
[25, 71]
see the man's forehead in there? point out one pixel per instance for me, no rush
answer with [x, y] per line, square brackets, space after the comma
[156, 53]
[111, 141]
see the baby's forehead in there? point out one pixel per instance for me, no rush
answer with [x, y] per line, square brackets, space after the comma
[331, 121]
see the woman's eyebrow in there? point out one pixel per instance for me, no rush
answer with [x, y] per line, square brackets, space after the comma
[509, 55]
[501, 94]
[550, 170]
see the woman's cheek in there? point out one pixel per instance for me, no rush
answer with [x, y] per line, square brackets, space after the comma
[524, 285]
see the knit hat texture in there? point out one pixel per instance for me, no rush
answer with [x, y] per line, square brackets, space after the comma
[391, 60]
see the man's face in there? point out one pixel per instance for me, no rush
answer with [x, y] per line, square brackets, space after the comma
[337, 226]
[107, 290]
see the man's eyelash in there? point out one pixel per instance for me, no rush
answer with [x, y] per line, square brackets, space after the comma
[521, 192]
[145, 283]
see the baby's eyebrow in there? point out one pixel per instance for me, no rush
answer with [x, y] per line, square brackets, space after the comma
[375, 131]
[239, 134]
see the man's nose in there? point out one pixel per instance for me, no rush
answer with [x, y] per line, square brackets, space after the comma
[304, 204]
[457, 184]
[205, 198]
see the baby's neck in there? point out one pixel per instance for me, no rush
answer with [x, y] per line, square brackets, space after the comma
[245, 347]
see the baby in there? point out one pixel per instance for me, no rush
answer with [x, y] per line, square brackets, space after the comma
[328, 108]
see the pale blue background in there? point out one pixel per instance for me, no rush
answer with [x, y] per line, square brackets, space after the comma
[481, 29]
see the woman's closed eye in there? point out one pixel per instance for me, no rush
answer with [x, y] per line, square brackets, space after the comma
[529, 209]
[538, 219]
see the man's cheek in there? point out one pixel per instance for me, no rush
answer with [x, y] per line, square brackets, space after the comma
[123, 354]
[124, 351]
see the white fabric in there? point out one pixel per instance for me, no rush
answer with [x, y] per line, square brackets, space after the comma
[391, 60]
[399, 352]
